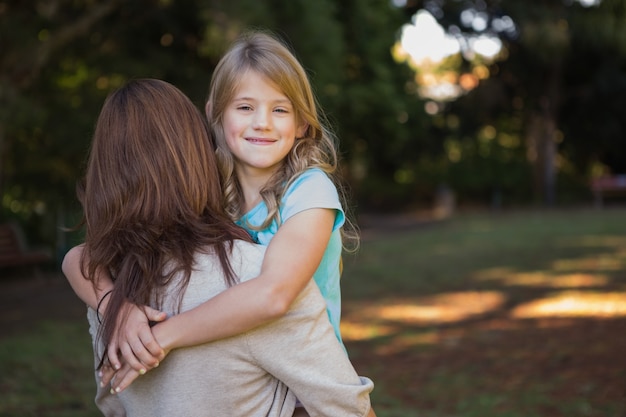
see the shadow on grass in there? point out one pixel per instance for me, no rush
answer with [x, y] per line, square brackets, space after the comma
[513, 315]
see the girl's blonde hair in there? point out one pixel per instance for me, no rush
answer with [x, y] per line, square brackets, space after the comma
[317, 148]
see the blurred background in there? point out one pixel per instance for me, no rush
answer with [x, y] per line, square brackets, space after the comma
[484, 146]
[489, 104]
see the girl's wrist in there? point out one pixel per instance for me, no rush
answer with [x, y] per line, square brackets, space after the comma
[163, 336]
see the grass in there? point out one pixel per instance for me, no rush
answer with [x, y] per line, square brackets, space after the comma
[507, 315]
[46, 372]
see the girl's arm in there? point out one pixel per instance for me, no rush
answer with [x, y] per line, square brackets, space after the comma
[136, 342]
[291, 259]
[84, 288]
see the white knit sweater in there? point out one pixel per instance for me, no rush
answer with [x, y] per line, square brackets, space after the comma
[257, 373]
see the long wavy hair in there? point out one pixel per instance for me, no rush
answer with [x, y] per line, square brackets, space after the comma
[151, 197]
[270, 57]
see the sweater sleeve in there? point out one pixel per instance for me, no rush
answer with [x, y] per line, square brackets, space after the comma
[301, 350]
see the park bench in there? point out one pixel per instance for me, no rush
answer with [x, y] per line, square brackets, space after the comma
[607, 185]
[14, 251]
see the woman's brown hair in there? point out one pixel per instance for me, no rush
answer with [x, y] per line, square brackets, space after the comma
[151, 196]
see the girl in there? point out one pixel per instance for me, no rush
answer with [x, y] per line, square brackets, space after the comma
[155, 224]
[278, 159]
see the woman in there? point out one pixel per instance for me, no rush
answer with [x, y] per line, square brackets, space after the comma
[155, 225]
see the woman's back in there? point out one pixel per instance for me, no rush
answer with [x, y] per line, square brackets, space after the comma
[247, 375]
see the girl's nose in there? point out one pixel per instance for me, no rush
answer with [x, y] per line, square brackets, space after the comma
[262, 120]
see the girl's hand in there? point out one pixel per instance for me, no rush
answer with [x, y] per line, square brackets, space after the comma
[133, 338]
[122, 378]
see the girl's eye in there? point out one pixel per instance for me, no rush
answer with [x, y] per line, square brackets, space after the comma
[244, 107]
[281, 110]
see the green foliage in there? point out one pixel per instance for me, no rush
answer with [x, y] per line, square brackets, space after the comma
[60, 59]
[380, 112]
[45, 138]
[561, 84]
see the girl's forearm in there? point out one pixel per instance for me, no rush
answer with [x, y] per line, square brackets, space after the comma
[237, 310]
[288, 265]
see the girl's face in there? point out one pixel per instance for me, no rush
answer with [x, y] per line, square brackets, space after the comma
[260, 126]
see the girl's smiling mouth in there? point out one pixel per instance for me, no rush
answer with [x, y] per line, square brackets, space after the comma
[261, 141]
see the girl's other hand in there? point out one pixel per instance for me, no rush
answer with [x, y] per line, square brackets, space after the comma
[119, 379]
[106, 374]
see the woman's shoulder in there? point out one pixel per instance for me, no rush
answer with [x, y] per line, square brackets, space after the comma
[246, 259]
[248, 249]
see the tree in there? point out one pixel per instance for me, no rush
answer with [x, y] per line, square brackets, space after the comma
[382, 122]
[59, 59]
[544, 71]
[59, 62]
[34, 36]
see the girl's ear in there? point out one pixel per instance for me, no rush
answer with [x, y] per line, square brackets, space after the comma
[207, 110]
[302, 130]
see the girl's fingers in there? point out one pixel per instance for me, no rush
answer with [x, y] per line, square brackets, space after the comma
[154, 315]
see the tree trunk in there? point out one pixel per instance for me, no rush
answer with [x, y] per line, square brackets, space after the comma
[7, 96]
[541, 152]
[542, 136]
